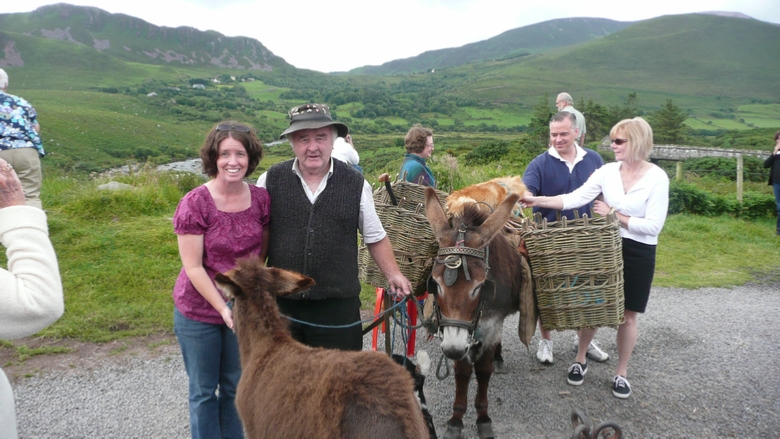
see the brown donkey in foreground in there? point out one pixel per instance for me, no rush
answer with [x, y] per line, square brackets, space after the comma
[288, 390]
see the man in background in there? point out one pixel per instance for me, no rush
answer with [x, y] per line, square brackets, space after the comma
[20, 144]
[564, 102]
[564, 167]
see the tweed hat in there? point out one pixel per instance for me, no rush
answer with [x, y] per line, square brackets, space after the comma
[312, 117]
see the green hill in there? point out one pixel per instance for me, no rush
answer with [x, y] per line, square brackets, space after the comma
[111, 88]
[134, 40]
[693, 57]
[520, 42]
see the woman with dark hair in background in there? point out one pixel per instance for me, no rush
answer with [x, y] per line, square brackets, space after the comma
[222, 220]
[638, 191]
[774, 176]
[419, 147]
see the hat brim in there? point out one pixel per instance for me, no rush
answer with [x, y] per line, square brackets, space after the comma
[342, 129]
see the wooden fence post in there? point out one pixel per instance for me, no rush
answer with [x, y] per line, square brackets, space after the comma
[679, 174]
[740, 168]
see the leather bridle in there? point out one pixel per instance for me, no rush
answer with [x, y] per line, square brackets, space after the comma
[453, 259]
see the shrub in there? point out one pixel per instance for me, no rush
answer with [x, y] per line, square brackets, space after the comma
[686, 198]
[487, 152]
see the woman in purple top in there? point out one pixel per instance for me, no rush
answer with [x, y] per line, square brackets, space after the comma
[216, 223]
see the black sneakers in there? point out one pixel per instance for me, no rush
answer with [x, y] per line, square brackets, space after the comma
[620, 387]
[577, 373]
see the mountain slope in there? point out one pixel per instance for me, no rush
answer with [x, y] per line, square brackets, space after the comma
[693, 54]
[135, 40]
[523, 41]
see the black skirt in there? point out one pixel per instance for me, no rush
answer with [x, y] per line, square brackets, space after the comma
[638, 270]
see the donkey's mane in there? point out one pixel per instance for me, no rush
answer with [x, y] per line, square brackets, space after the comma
[504, 257]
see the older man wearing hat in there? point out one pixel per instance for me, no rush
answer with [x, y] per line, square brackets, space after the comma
[317, 206]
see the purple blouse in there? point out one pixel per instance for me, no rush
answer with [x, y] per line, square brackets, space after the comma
[226, 237]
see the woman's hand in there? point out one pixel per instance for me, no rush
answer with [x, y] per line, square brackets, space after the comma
[227, 316]
[777, 146]
[528, 199]
[601, 208]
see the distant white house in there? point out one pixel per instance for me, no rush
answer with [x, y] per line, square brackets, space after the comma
[200, 86]
[232, 78]
[215, 81]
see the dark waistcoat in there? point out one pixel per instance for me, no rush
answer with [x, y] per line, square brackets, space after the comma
[318, 240]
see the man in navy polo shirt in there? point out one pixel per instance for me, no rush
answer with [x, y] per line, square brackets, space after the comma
[564, 167]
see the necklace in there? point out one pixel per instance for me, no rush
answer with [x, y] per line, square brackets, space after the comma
[627, 186]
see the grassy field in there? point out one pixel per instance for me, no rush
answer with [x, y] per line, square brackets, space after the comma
[119, 260]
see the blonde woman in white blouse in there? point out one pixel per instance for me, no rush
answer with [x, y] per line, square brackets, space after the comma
[639, 192]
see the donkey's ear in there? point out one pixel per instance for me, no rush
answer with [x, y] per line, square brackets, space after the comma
[497, 219]
[435, 213]
[225, 283]
[287, 282]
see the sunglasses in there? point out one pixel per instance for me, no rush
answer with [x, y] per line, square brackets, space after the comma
[239, 128]
[619, 141]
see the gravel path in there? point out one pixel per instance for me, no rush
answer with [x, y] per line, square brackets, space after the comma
[707, 364]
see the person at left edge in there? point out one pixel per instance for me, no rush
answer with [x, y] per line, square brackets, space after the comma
[318, 206]
[216, 223]
[31, 288]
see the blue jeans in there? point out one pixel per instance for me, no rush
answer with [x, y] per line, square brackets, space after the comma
[777, 200]
[212, 363]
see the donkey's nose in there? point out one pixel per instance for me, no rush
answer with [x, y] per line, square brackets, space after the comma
[454, 343]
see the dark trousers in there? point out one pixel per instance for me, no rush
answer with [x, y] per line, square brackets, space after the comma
[325, 312]
[777, 200]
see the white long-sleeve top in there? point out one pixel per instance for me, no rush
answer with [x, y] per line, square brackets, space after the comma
[31, 289]
[646, 203]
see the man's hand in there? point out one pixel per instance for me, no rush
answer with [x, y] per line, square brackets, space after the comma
[399, 285]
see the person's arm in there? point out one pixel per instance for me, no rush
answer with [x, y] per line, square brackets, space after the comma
[532, 177]
[768, 162]
[382, 253]
[261, 179]
[31, 289]
[191, 253]
[555, 203]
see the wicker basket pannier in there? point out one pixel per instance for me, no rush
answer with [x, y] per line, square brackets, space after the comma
[577, 271]
[410, 234]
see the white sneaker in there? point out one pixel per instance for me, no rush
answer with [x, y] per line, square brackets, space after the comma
[594, 352]
[544, 353]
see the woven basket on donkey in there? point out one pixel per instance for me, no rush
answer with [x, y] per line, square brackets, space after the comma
[410, 234]
[409, 195]
[578, 271]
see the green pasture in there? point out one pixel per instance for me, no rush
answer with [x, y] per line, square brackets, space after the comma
[705, 123]
[261, 91]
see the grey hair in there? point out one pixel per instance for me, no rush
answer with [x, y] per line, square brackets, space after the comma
[3, 79]
[563, 115]
[566, 98]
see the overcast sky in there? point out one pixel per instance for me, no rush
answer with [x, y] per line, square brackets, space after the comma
[338, 35]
